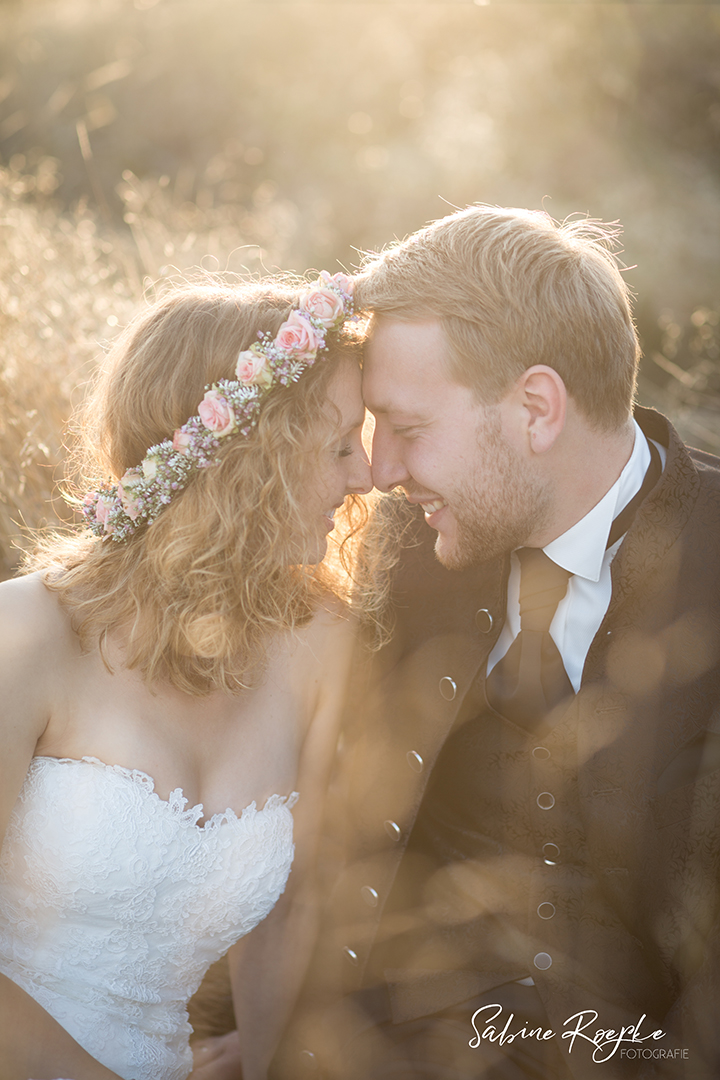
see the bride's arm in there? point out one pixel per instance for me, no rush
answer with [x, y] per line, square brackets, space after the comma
[33, 1044]
[268, 966]
[33, 656]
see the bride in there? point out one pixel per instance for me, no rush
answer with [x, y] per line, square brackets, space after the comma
[172, 680]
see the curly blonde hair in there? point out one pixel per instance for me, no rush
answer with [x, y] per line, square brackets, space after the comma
[198, 595]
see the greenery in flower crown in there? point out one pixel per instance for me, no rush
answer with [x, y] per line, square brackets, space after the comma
[230, 407]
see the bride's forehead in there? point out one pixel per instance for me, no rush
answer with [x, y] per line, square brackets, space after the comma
[344, 391]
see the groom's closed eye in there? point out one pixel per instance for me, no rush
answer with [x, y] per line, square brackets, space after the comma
[409, 431]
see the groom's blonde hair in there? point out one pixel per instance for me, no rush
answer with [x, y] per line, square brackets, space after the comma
[513, 288]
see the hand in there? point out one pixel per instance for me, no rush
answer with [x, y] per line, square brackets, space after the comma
[217, 1058]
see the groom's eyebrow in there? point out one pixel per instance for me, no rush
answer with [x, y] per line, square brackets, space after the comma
[408, 415]
[380, 408]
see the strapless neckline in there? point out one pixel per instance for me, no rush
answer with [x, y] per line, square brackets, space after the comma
[176, 801]
[114, 902]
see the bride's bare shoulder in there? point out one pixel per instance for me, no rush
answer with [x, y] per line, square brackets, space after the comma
[332, 647]
[312, 663]
[316, 656]
[36, 653]
[32, 621]
[326, 652]
[332, 632]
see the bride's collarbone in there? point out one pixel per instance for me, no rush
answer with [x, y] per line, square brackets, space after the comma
[221, 751]
[217, 781]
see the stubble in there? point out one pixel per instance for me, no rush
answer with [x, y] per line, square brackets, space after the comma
[499, 506]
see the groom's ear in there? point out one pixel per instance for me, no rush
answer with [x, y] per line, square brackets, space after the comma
[541, 397]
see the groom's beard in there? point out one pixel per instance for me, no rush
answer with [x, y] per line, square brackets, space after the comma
[498, 508]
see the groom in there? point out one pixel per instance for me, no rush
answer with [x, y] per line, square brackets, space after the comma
[533, 784]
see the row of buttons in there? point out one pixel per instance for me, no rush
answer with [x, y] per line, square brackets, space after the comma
[545, 800]
[370, 895]
[448, 690]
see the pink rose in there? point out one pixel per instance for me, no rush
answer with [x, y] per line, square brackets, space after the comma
[101, 510]
[130, 478]
[253, 369]
[342, 281]
[181, 441]
[298, 336]
[216, 413]
[103, 506]
[325, 305]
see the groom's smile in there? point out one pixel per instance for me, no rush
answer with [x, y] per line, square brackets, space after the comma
[442, 446]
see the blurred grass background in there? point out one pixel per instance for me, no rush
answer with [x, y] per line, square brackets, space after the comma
[142, 137]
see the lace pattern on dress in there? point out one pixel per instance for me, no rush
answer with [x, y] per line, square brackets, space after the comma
[114, 902]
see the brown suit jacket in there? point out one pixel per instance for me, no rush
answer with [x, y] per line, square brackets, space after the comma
[646, 938]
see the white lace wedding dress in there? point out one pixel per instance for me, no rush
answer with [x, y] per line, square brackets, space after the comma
[114, 902]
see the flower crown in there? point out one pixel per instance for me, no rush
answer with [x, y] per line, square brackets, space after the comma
[229, 407]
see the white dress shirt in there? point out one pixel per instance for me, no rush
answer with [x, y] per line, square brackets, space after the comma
[581, 550]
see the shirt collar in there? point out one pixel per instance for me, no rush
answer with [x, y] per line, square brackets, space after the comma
[581, 549]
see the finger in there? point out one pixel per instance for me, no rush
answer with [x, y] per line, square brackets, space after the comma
[206, 1050]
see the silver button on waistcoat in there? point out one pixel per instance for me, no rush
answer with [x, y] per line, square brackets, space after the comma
[308, 1061]
[415, 761]
[550, 853]
[393, 830]
[369, 895]
[447, 687]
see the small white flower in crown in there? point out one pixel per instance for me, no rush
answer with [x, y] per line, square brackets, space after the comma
[229, 407]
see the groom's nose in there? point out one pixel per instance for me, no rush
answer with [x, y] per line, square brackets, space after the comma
[388, 468]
